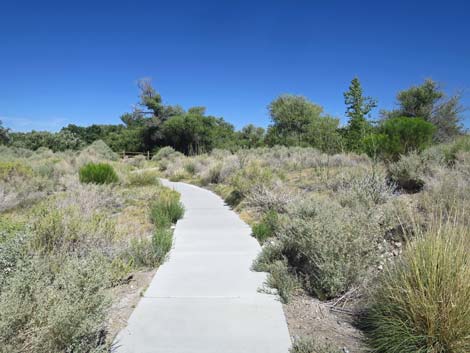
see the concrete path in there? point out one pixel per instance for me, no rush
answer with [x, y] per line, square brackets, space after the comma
[205, 299]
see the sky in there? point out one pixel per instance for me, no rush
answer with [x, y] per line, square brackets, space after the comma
[78, 62]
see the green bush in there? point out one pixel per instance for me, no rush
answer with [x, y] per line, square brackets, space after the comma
[166, 210]
[162, 241]
[398, 136]
[266, 227]
[270, 253]
[98, 173]
[421, 303]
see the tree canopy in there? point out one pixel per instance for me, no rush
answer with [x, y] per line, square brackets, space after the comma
[429, 101]
[298, 121]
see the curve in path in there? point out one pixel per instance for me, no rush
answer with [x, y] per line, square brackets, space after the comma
[205, 298]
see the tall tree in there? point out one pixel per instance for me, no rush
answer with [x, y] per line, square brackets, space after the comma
[429, 101]
[358, 107]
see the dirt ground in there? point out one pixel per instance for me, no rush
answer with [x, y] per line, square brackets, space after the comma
[308, 317]
[126, 298]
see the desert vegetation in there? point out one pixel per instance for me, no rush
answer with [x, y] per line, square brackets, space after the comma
[386, 241]
[74, 228]
[369, 219]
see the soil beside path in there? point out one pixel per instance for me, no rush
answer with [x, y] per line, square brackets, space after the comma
[205, 298]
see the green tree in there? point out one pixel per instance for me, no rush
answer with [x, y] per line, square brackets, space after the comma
[291, 115]
[323, 134]
[298, 122]
[358, 107]
[150, 114]
[195, 133]
[429, 101]
[128, 139]
[4, 137]
[251, 136]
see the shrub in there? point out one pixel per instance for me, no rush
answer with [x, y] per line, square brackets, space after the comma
[136, 161]
[101, 150]
[399, 136]
[151, 252]
[70, 229]
[309, 345]
[142, 178]
[13, 248]
[266, 227]
[448, 152]
[54, 305]
[98, 173]
[10, 170]
[166, 153]
[166, 210]
[328, 246]
[162, 241]
[270, 253]
[408, 172]
[190, 167]
[421, 303]
[261, 231]
[282, 280]
[264, 197]
[368, 190]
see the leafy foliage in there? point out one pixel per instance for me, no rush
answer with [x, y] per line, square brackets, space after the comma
[297, 121]
[399, 136]
[430, 103]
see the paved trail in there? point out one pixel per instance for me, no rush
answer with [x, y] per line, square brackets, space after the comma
[205, 299]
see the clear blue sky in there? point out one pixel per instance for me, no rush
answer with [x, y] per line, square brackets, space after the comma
[77, 61]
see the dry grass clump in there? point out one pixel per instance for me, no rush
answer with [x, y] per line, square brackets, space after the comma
[142, 178]
[421, 302]
[308, 345]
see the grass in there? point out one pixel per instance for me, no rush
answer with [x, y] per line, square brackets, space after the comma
[266, 227]
[167, 209]
[421, 303]
[98, 173]
[309, 345]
